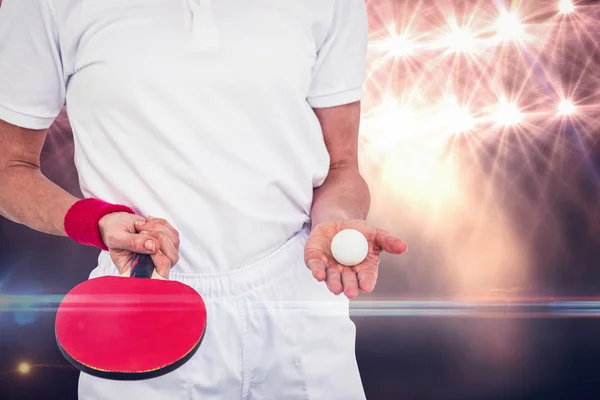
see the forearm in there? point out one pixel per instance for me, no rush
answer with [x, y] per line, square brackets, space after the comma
[343, 195]
[29, 198]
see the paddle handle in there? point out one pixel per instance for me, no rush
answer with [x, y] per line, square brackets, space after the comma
[142, 266]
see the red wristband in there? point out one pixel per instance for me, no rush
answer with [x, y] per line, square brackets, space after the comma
[81, 221]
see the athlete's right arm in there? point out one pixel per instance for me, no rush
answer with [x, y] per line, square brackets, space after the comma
[32, 93]
[33, 73]
[27, 196]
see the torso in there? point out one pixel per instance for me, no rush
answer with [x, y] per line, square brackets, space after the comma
[198, 117]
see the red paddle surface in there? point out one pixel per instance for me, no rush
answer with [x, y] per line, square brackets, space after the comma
[130, 325]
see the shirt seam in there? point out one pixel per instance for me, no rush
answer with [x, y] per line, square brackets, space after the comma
[246, 366]
[11, 116]
[356, 92]
[59, 50]
[339, 92]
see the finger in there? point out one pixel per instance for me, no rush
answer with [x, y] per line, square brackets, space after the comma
[350, 283]
[163, 222]
[334, 281]
[367, 278]
[142, 244]
[389, 243]
[167, 247]
[316, 259]
[152, 226]
[318, 269]
[122, 260]
[162, 264]
[154, 223]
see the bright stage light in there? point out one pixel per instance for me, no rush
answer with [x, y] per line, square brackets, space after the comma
[455, 117]
[398, 46]
[566, 107]
[395, 119]
[566, 6]
[508, 114]
[510, 27]
[460, 121]
[24, 368]
[388, 124]
[461, 40]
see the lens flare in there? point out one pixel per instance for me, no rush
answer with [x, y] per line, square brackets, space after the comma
[398, 46]
[461, 40]
[24, 368]
[566, 108]
[508, 114]
[566, 6]
[510, 27]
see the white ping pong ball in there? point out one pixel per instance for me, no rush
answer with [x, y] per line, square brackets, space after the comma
[349, 247]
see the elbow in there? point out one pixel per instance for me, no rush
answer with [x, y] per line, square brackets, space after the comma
[14, 177]
[12, 171]
[11, 166]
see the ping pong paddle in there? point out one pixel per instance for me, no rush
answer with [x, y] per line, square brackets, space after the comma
[132, 328]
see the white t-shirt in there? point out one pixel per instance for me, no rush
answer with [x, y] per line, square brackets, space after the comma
[197, 111]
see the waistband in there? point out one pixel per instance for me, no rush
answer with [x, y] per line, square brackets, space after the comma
[249, 277]
[246, 278]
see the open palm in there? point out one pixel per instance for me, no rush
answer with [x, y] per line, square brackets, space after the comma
[340, 278]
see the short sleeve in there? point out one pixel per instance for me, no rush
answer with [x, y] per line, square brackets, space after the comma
[340, 68]
[32, 87]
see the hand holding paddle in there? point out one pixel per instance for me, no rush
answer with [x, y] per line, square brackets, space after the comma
[127, 234]
[114, 326]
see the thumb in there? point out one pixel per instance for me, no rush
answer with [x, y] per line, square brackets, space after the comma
[135, 243]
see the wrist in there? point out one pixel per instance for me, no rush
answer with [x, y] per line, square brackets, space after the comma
[102, 223]
[338, 216]
[332, 216]
[86, 218]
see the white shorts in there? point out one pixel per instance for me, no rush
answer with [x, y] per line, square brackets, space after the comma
[273, 332]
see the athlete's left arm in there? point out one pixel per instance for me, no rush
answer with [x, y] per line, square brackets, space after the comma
[342, 202]
[344, 194]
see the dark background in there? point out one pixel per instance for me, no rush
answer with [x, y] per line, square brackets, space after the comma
[401, 357]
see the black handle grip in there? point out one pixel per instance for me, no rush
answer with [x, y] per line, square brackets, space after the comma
[141, 266]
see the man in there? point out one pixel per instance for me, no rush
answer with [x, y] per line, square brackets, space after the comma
[230, 128]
